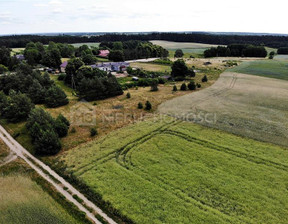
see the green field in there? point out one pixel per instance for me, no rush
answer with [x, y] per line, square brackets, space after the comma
[246, 105]
[189, 49]
[177, 172]
[24, 201]
[88, 44]
[267, 68]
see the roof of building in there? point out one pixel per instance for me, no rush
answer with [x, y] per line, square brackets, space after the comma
[64, 64]
[104, 53]
[20, 57]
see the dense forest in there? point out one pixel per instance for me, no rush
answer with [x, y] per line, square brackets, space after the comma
[283, 50]
[133, 49]
[236, 50]
[267, 40]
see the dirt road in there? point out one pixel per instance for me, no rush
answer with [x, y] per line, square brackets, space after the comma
[54, 179]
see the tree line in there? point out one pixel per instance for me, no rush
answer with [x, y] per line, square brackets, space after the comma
[90, 83]
[283, 50]
[133, 49]
[236, 50]
[17, 41]
[40, 89]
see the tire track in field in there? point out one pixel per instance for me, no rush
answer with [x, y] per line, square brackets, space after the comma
[120, 154]
[210, 145]
[218, 93]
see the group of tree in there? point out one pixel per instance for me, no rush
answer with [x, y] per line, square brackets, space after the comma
[178, 53]
[236, 50]
[283, 50]
[91, 83]
[7, 62]
[39, 88]
[37, 53]
[15, 107]
[180, 70]
[46, 131]
[148, 106]
[274, 41]
[133, 49]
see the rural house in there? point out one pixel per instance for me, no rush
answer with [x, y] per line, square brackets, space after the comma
[112, 66]
[63, 66]
[104, 53]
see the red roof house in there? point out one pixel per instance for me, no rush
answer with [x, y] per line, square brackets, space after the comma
[104, 53]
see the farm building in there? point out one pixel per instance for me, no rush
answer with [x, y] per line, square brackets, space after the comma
[112, 66]
[63, 66]
[20, 57]
[104, 53]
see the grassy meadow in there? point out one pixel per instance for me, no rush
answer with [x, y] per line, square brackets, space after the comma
[189, 49]
[26, 198]
[4, 150]
[151, 67]
[246, 105]
[168, 171]
[88, 44]
[267, 68]
[23, 201]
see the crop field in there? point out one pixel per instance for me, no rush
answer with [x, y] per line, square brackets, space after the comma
[88, 44]
[181, 45]
[267, 68]
[281, 57]
[151, 67]
[168, 171]
[24, 201]
[246, 105]
[189, 49]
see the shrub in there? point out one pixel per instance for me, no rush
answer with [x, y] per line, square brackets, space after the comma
[183, 87]
[3, 69]
[56, 97]
[18, 107]
[148, 105]
[175, 88]
[161, 81]
[140, 105]
[192, 85]
[178, 53]
[128, 95]
[61, 77]
[154, 85]
[93, 132]
[73, 130]
[43, 131]
[205, 79]
[198, 85]
[61, 126]
[179, 69]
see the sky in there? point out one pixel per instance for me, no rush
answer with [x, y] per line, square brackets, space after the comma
[39, 16]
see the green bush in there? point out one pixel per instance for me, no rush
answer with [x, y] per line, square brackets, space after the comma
[175, 88]
[183, 87]
[140, 105]
[93, 132]
[192, 85]
[56, 97]
[61, 77]
[128, 95]
[148, 106]
[205, 79]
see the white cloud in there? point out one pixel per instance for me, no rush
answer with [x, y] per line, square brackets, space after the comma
[57, 10]
[40, 5]
[55, 3]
